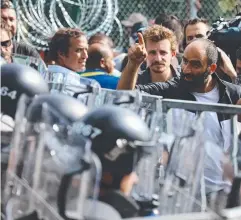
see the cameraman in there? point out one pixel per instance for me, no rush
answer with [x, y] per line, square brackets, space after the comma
[225, 69]
[198, 28]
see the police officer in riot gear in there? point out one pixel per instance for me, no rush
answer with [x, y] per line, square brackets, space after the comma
[19, 79]
[16, 80]
[51, 110]
[123, 141]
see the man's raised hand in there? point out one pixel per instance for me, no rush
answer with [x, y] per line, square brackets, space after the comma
[137, 53]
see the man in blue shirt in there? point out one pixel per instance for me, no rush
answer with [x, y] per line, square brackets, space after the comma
[100, 65]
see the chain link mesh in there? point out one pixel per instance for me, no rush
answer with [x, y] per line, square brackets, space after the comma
[210, 10]
[39, 19]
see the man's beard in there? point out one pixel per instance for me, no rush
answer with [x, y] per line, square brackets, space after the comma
[163, 69]
[195, 82]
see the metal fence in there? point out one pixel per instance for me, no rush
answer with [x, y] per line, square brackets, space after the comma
[175, 198]
[38, 20]
[183, 9]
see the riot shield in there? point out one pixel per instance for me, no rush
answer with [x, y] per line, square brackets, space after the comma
[128, 99]
[33, 62]
[56, 173]
[62, 80]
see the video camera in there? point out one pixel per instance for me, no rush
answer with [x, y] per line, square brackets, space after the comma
[227, 35]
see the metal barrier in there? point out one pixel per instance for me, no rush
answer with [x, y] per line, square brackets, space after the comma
[198, 106]
[227, 214]
[218, 108]
[154, 110]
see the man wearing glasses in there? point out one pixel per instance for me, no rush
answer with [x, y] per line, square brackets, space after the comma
[6, 42]
[8, 14]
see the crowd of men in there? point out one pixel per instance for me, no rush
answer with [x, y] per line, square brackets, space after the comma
[164, 59]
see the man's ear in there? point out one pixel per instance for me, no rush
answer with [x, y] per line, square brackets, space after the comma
[174, 53]
[102, 63]
[213, 67]
[61, 55]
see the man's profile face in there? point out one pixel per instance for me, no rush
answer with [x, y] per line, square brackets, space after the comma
[77, 54]
[9, 16]
[194, 31]
[159, 55]
[6, 46]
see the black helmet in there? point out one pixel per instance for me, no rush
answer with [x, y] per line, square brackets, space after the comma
[123, 136]
[66, 108]
[16, 80]
[64, 159]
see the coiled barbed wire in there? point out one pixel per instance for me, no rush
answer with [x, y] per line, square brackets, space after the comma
[40, 19]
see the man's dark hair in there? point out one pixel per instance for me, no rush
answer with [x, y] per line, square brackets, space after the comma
[171, 22]
[238, 54]
[93, 60]
[101, 38]
[95, 53]
[60, 42]
[6, 4]
[192, 22]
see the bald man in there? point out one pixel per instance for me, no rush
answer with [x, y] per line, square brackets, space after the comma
[198, 82]
[100, 65]
[102, 39]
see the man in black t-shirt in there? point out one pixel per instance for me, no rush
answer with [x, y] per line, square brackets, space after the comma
[161, 48]
[145, 76]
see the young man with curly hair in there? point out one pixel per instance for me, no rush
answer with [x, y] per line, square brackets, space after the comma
[161, 45]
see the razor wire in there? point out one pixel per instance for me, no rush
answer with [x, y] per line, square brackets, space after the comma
[40, 19]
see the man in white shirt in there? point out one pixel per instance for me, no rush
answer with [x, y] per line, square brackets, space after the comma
[198, 82]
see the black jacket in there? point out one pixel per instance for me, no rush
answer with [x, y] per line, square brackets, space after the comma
[24, 49]
[173, 89]
[126, 206]
[145, 76]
